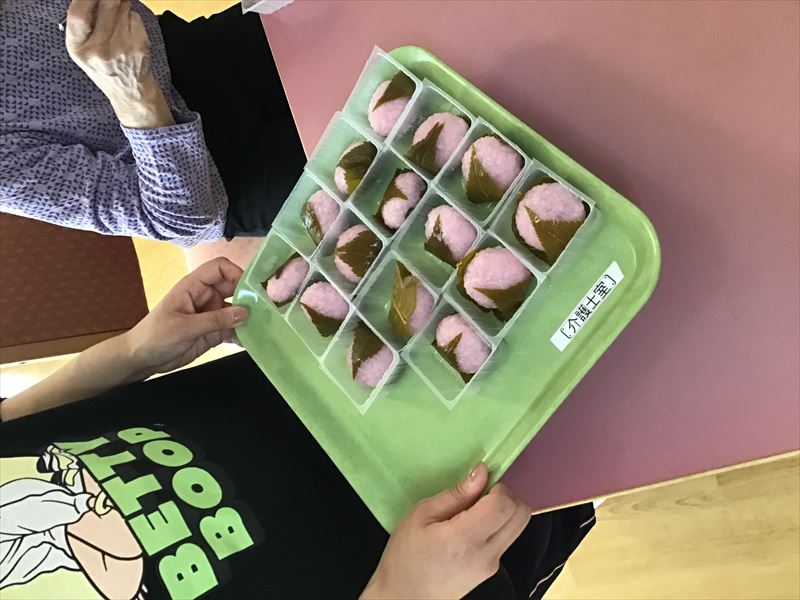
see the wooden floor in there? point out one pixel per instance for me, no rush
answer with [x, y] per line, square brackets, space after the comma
[731, 536]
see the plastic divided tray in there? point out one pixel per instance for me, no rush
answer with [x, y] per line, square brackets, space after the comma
[423, 427]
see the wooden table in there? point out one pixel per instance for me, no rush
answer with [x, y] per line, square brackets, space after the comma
[691, 111]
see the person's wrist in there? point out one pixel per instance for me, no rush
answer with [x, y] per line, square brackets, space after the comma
[134, 355]
[144, 107]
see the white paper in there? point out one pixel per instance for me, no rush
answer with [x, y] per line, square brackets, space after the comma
[588, 305]
[265, 7]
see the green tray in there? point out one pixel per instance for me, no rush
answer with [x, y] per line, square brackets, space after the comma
[410, 444]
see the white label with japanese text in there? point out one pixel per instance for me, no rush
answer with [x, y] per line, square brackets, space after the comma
[588, 305]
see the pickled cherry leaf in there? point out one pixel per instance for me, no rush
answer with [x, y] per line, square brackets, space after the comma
[480, 186]
[326, 325]
[436, 245]
[360, 252]
[507, 300]
[449, 354]
[423, 152]
[554, 235]
[365, 345]
[277, 274]
[404, 300]
[400, 86]
[392, 192]
[461, 270]
[355, 163]
[311, 223]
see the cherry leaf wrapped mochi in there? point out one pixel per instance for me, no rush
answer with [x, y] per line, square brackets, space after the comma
[324, 307]
[436, 139]
[368, 358]
[282, 286]
[547, 217]
[411, 303]
[403, 194]
[388, 103]
[448, 234]
[495, 280]
[356, 250]
[353, 165]
[318, 214]
[489, 167]
[461, 346]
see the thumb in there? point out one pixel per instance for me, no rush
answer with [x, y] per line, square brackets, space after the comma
[447, 504]
[216, 320]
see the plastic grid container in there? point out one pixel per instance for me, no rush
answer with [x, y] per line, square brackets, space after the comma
[368, 196]
[338, 137]
[451, 179]
[502, 227]
[369, 300]
[379, 68]
[325, 257]
[289, 222]
[422, 356]
[489, 324]
[302, 325]
[376, 299]
[274, 252]
[335, 365]
[428, 101]
[410, 243]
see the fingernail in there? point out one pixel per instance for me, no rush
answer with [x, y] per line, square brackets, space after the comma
[473, 474]
[239, 315]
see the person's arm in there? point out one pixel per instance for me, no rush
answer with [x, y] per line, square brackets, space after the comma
[75, 187]
[109, 43]
[449, 543]
[167, 188]
[192, 318]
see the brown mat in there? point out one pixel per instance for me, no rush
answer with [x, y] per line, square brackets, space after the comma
[62, 290]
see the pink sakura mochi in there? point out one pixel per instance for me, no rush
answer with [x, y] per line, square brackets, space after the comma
[283, 285]
[325, 208]
[356, 165]
[550, 202]
[347, 236]
[395, 210]
[373, 369]
[423, 308]
[454, 128]
[500, 161]
[493, 269]
[323, 298]
[471, 351]
[457, 232]
[383, 118]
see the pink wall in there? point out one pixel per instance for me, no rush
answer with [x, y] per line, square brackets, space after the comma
[692, 111]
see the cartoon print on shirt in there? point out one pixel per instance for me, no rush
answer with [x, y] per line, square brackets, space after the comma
[66, 523]
[121, 515]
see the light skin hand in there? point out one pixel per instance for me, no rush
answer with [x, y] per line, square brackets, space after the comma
[192, 318]
[449, 543]
[109, 43]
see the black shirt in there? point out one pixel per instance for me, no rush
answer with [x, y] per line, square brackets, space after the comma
[200, 483]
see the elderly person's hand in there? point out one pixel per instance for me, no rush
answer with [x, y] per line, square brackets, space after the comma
[192, 318]
[108, 41]
[449, 543]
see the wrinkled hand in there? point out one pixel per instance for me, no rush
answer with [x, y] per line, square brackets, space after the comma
[449, 543]
[192, 318]
[108, 41]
